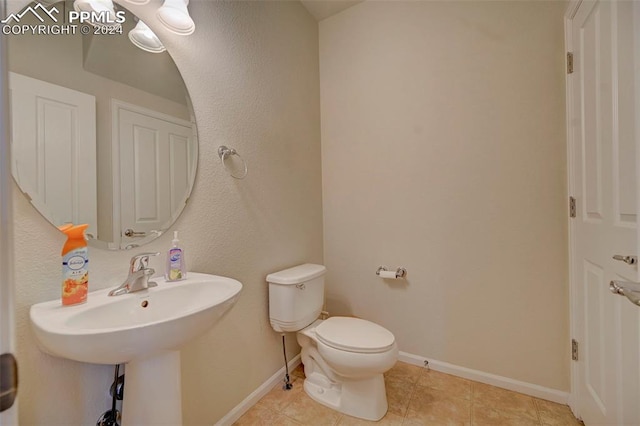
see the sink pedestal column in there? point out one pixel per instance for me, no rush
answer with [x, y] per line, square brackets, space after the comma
[152, 392]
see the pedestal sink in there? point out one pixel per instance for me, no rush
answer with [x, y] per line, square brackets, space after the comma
[145, 330]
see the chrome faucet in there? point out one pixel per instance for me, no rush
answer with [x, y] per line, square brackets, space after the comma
[139, 275]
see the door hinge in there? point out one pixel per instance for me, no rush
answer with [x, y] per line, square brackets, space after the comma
[569, 63]
[574, 349]
[572, 207]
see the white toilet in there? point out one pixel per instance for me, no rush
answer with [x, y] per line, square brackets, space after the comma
[344, 358]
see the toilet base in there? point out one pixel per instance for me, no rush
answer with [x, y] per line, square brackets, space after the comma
[364, 399]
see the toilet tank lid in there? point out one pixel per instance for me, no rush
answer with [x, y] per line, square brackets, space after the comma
[297, 274]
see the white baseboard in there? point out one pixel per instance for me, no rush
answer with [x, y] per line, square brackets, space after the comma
[490, 379]
[256, 395]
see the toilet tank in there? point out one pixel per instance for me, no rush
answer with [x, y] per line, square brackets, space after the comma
[296, 296]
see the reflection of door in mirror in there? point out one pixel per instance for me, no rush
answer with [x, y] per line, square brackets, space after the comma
[155, 156]
[54, 149]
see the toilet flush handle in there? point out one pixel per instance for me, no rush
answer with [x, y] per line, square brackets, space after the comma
[301, 286]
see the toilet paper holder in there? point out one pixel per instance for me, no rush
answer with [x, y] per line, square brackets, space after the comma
[400, 272]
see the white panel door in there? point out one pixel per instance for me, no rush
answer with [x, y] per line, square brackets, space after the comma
[154, 169]
[53, 148]
[604, 181]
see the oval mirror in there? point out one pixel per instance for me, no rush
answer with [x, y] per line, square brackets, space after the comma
[103, 132]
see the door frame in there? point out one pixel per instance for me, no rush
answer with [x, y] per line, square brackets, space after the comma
[7, 279]
[570, 13]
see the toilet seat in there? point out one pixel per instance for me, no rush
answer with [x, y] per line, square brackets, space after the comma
[354, 335]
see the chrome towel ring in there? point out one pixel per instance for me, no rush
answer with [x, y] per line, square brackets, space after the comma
[224, 153]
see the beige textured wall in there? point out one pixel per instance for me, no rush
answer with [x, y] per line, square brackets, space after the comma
[443, 151]
[252, 70]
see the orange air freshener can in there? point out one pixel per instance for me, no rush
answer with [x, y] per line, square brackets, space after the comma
[75, 265]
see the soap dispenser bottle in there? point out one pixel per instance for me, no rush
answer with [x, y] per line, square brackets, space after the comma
[75, 265]
[176, 269]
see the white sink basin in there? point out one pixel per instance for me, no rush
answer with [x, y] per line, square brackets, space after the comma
[118, 329]
[144, 329]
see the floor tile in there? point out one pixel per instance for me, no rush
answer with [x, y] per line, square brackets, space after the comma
[505, 400]
[308, 412]
[429, 406]
[258, 416]
[404, 372]
[278, 399]
[413, 421]
[493, 406]
[283, 420]
[298, 371]
[416, 397]
[553, 414]
[488, 416]
[398, 395]
[389, 419]
[446, 383]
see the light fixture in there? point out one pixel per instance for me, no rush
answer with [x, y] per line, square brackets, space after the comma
[142, 36]
[102, 12]
[174, 15]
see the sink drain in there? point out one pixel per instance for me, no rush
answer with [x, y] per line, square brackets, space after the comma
[144, 304]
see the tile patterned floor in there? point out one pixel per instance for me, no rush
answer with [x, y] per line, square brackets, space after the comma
[416, 396]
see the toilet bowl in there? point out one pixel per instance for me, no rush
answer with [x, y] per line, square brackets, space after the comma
[344, 358]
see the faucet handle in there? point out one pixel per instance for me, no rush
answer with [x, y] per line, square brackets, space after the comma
[141, 261]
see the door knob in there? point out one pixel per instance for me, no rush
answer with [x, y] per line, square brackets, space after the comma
[131, 233]
[625, 288]
[631, 260]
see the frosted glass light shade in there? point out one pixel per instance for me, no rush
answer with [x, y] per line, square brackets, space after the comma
[142, 36]
[174, 15]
